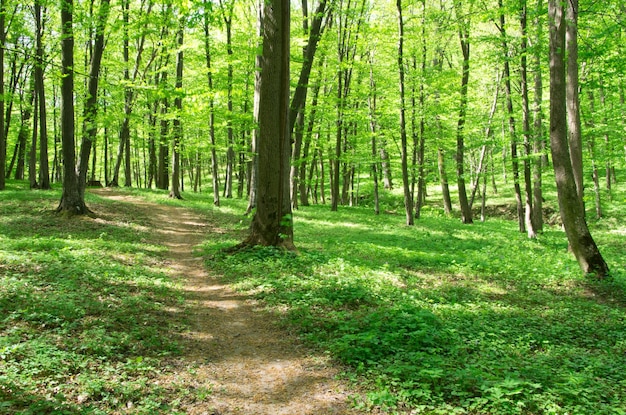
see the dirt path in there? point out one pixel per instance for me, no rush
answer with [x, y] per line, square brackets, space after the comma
[235, 359]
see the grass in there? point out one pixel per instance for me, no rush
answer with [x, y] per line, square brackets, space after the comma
[442, 318]
[87, 318]
[439, 318]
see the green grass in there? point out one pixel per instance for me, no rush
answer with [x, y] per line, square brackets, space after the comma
[444, 318]
[87, 318]
[439, 318]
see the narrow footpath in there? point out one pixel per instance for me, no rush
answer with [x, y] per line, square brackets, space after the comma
[234, 350]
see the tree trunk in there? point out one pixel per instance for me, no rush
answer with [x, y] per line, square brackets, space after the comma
[32, 156]
[178, 104]
[44, 169]
[90, 111]
[538, 142]
[528, 187]
[573, 101]
[214, 166]
[272, 223]
[3, 138]
[443, 178]
[466, 212]
[408, 198]
[72, 200]
[580, 240]
[512, 133]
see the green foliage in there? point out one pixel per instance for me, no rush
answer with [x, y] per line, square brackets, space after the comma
[442, 318]
[84, 311]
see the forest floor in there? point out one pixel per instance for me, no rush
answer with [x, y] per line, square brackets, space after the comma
[233, 349]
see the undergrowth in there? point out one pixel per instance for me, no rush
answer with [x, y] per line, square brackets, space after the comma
[85, 310]
[444, 318]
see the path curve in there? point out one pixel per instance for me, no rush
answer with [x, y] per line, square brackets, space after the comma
[235, 357]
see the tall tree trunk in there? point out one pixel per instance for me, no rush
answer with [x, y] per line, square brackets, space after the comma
[72, 200]
[408, 198]
[573, 101]
[528, 187]
[3, 138]
[90, 110]
[538, 141]
[466, 212]
[580, 240]
[512, 133]
[178, 104]
[272, 223]
[44, 168]
[372, 101]
[32, 157]
[207, 52]
[227, 16]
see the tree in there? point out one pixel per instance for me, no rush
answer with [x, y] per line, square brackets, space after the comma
[72, 200]
[581, 242]
[178, 103]
[3, 142]
[91, 102]
[466, 212]
[272, 224]
[408, 199]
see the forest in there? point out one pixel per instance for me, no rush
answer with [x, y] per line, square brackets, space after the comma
[448, 179]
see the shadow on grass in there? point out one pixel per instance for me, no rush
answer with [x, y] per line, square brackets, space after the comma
[446, 316]
[86, 313]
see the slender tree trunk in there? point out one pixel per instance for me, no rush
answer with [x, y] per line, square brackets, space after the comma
[528, 187]
[512, 133]
[90, 111]
[32, 157]
[408, 199]
[372, 101]
[466, 212]
[443, 178]
[538, 142]
[44, 168]
[178, 104]
[580, 240]
[3, 137]
[207, 52]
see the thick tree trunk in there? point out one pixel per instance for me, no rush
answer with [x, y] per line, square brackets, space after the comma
[72, 200]
[272, 224]
[581, 242]
[573, 101]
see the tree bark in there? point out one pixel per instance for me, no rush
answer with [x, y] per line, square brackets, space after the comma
[408, 199]
[90, 111]
[72, 200]
[573, 101]
[178, 104]
[580, 240]
[3, 138]
[466, 212]
[207, 52]
[528, 187]
[272, 224]
[44, 169]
